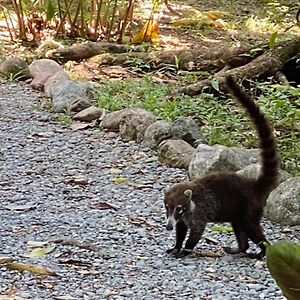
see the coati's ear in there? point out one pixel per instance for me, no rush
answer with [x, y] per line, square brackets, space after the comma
[165, 190]
[188, 193]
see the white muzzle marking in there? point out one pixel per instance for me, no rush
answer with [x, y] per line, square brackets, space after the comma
[171, 222]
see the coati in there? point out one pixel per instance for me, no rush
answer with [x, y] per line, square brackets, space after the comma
[226, 197]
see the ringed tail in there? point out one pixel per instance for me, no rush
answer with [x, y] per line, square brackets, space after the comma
[269, 173]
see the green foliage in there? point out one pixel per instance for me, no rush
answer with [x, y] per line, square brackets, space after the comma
[282, 105]
[64, 119]
[283, 261]
[224, 122]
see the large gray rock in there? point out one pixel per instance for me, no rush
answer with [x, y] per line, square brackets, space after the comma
[42, 70]
[253, 170]
[67, 94]
[16, 68]
[52, 81]
[134, 123]
[207, 159]
[283, 204]
[156, 133]
[185, 128]
[175, 153]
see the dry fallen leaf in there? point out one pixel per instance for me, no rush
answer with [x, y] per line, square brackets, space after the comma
[114, 71]
[105, 205]
[36, 269]
[148, 33]
[39, 252]
[37, 243]
[80, 125]
[115, 171]
[23, 207]
[5, 260]
[79, 180]
[119, 180]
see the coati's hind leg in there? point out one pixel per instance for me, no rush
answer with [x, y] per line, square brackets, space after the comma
[256, 235]
[181, 230]
[242, 240]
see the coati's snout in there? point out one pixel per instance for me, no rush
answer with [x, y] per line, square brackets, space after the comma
[169, 226]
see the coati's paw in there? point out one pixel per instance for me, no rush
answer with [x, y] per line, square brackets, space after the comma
[259, 255]
[173, 251]
[230, 250]
[183, 253]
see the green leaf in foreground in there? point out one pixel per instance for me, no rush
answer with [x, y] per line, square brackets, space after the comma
[283, 261]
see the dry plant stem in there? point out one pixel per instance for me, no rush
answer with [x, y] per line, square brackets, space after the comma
[112, 20]
[127, 18]
[62, 20]
[22, 29]
[98, 21]
[7, 23]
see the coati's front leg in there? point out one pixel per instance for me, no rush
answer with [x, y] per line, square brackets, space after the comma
[194, 237]
[181, 230]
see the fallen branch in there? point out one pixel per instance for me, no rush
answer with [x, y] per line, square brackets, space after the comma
[267, 64]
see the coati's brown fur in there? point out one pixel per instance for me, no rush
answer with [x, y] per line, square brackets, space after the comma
[226, 197]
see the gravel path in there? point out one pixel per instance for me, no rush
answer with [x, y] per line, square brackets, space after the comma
[54, 185]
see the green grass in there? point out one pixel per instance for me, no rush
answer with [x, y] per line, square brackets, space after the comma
[225, 122]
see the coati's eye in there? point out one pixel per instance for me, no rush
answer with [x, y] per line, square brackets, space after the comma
[179, 210]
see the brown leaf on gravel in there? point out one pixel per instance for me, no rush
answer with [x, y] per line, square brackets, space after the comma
[75, 262]
[12, 297]
[5, 260]
[73, 242]
[141, 221]
[36, 269]
[80, 125]
[22, 207]
[105, 205]
[207, 254]
[139, 186]
[45, 134]
[79, 180]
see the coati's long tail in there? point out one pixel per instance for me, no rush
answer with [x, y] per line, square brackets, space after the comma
[268, 176]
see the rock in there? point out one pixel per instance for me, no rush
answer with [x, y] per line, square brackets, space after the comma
[15, 68]
[69, 96]
[131, 122]
[207, 159]
[185, 128]
[79, 105]
[156, 133]
[283, 204]
[252, 171]
[53, 81]
[89, 114]
[111, 121]
[175, 153]
[42, 70]
[134, 123]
